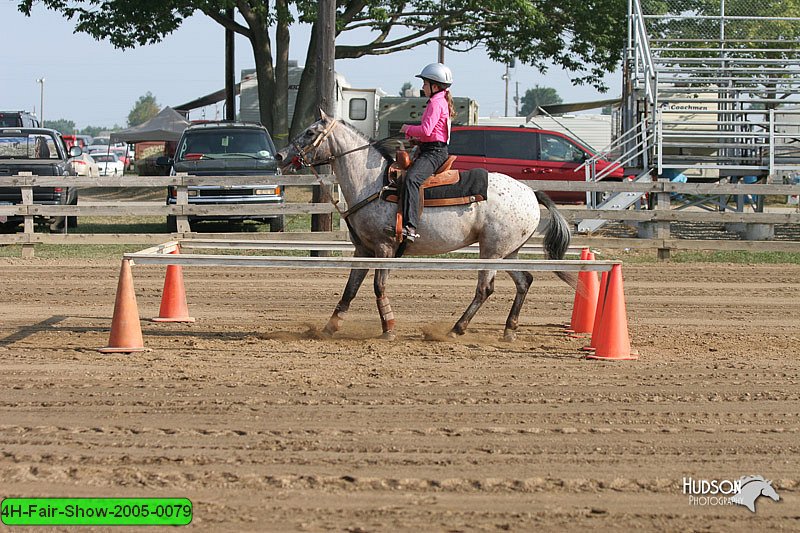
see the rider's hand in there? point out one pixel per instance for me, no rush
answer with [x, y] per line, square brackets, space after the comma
[403, 128]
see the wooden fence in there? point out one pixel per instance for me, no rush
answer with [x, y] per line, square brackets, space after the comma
[657, 220]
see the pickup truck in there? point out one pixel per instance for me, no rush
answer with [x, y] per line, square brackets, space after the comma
[227, 149]
[41, 152]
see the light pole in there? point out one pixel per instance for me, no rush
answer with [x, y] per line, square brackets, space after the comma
[40, 81]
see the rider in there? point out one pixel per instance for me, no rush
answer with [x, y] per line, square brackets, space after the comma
[432, 134]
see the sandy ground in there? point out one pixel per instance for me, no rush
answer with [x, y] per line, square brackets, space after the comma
[266, 428]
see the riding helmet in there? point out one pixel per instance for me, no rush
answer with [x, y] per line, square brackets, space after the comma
[438, 73]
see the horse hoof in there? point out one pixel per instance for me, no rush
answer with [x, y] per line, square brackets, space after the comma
[388, 336]
[453, 334]
[327, 332]
[510, 335]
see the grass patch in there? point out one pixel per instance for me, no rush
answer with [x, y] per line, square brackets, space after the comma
[742, 257]
[73, 251]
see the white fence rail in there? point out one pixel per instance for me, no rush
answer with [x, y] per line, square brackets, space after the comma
[661, 216]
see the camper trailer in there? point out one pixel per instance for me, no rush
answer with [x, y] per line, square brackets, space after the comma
[371, 111]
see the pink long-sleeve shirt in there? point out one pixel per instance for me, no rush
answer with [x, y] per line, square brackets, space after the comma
[435, 124]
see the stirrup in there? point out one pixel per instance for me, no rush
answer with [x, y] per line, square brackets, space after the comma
[409, 234]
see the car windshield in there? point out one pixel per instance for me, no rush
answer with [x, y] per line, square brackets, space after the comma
[225, 144]
[27, 146]
[104, 158]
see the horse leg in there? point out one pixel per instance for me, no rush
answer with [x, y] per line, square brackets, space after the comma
[523, 282]
[384, 309]
[482, 292]
[379, 285]
[357, 276]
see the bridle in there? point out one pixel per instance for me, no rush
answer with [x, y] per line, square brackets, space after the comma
[300, 160]
[303, 152]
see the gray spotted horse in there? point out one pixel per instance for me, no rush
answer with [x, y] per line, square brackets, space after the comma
[501, 224]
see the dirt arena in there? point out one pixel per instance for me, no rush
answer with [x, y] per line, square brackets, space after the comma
[266, 428]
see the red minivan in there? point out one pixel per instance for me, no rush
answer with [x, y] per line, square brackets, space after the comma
[525, 154]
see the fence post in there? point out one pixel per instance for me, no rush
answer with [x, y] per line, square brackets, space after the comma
[182, 199]
[28, 226]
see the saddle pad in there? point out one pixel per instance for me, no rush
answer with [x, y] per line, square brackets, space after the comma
[470, 188]
[473, 182]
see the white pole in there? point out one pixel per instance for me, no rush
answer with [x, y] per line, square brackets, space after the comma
[40, 81]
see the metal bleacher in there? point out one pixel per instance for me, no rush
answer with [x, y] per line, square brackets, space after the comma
[713, 96]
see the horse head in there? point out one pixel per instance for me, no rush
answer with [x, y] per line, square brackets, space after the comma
[769, 491]
[308, 148]
[752, 487]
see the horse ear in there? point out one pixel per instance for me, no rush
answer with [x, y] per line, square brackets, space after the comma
[323, 115]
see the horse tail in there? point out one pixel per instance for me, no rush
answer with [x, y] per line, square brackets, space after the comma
[557, 237]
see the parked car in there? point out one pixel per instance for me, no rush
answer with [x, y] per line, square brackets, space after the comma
[74, 140]
[42, 152]
[227, 149]
[525, 154]
[109, 164]
[96, 149]
[84, 165]
[18, 119]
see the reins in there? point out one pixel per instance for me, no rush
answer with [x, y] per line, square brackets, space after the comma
[328, 160]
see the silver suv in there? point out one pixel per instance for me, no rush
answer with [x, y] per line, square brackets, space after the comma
[227, 149]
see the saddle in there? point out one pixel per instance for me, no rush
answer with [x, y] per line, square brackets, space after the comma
[444, 188]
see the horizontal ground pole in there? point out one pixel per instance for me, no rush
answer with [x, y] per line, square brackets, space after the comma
[330, 246]
[370, 262]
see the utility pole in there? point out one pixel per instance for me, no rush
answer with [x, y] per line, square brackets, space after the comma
[326, 21]
[40, 81]
[505, 77]
[516, 100]
[230, 76]
[441, 38]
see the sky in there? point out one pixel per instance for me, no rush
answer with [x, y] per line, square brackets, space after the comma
[93, 84]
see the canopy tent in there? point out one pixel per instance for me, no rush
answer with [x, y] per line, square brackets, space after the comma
[168, 125]
[558, 109]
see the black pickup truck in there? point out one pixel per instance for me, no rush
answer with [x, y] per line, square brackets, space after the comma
[227, 149]
[41, 152]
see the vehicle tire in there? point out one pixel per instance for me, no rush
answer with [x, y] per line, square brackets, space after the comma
[276, 224]
[58, 225]
[172, 224]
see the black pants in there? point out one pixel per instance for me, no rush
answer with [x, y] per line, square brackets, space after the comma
[431, 157]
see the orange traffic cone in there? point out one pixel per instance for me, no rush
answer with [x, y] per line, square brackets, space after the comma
[596, 329]
[585, 306]
[126, 332]
[614, 342]
[576, 300]
[173, 299]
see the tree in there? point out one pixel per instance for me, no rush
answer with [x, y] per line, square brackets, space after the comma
[63, 125]
[405, 88]
[143, 110]
[538, 96]
[582, 37]
[95, 131]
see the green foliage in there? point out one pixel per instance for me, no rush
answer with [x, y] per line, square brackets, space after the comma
[66, 127]
[406, 87]
[95, 131]
[538, 96]
[145, 108]
[584, 38]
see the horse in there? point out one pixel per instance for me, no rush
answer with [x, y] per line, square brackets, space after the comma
[501, 224]
[752, 488]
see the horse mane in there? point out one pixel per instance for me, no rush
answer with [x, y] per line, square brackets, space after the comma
[381, 145]
[747, 479]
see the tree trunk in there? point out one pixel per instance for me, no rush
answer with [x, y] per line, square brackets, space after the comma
[262, 53]
[280, 133]
[304, 111]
